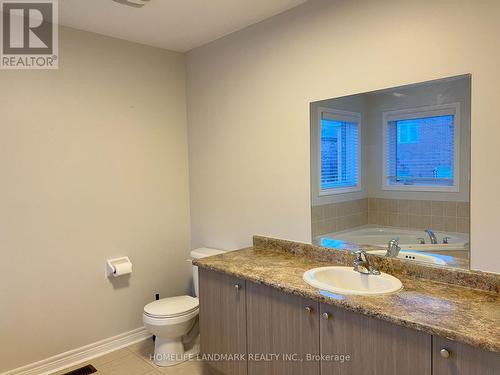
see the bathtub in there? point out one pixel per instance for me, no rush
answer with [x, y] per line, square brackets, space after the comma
[409, 239]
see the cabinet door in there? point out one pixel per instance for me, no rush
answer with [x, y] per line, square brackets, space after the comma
[222, 323]
[462, 359]
[284, 326]
[374, 347]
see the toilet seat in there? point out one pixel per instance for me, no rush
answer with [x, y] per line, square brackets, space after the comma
[171, 321]
[172, 307]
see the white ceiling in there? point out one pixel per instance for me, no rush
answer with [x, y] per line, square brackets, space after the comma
[177, 25]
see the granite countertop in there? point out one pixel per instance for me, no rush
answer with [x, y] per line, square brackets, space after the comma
[467, 315]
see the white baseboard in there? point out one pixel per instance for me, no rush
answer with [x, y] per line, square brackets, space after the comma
[83, 354]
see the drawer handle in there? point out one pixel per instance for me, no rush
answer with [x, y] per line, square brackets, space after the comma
[308, 309]
[444, 353]
[325, 316]
[237, 286]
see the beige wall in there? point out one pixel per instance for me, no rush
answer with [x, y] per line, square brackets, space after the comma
[249, 95]
[93, 159]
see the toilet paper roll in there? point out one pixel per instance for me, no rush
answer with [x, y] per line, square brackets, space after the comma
[123, 268]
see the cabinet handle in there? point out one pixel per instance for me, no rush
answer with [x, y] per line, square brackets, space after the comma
[325, 316]
[308, 309]
[237, 286]
[444, 353]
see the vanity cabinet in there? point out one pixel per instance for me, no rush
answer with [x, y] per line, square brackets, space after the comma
[222, 323]
[375, 347]
[256, 322]
[285, 326]
[454, 358]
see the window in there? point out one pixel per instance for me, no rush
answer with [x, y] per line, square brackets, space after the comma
[422, 148]
[339, 151]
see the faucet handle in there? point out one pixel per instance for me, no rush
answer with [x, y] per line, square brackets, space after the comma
[360, 254]
[362, 264]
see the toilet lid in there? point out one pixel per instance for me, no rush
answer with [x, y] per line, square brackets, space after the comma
[172, 306]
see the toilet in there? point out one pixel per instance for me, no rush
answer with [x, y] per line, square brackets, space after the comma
[174, 321]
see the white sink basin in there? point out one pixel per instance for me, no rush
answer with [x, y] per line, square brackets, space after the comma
[344, 280]
[412, 255]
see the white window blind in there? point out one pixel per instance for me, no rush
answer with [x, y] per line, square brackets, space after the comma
[339, 152]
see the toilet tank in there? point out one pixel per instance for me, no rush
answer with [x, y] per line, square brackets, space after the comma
[202, 252]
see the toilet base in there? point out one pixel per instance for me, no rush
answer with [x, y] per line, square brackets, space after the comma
[170, 352]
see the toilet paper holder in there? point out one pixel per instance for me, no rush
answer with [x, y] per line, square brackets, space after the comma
[118, 266]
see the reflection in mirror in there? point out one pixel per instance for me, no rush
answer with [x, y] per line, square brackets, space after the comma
[390, 171]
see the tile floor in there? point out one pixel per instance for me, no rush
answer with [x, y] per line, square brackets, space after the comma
[134, 360]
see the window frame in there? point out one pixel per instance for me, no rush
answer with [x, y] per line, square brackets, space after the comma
[420, 112]
[341, 115]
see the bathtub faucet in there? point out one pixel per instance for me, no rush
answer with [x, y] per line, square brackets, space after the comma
[432, 236]
[393, 249]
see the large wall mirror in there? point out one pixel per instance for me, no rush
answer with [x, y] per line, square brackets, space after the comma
[390, 172]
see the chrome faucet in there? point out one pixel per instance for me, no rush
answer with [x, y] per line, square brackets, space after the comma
[362, 265]
[393, 249]
[432, 236]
